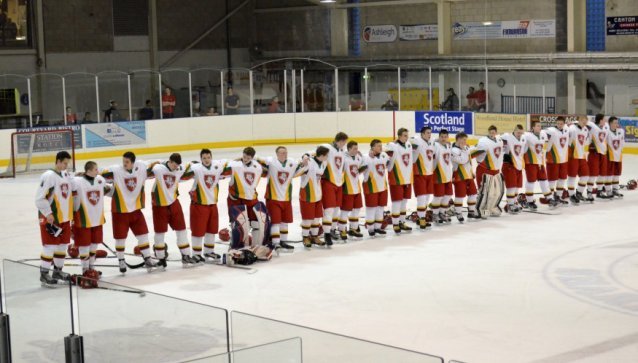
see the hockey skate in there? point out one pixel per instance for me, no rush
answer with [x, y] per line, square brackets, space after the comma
[380, 232]
[334, 234]
[199, 258]
[580, 197]
[212, 257]
[307, 243]
[440, 218]
[459, 217]
[317, 241]
[62, 277]
[512, 208]
[471, 214]
[161, 263]
[47, 280]
[396, 228]
[602, 194]
[450, 212]
[423, 223]
[590, 197]
[188, 261]
[532, 206]
[553, 203]
[617, 194]
[122, 265]
[355, 233]
[405, 227]
[285, 246]
[343, 235]
[150, 265]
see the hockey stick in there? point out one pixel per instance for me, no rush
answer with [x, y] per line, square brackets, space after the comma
[76, 282]
[131, 266]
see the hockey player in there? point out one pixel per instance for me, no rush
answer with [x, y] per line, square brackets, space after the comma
[281, 170]
[351, 204]
[515, 146]
[375, 187]
[557, 158]
[331, 185]
[127, 204]
[463, 176]
[55, 208]
[310, 196]
[578, 134]
[615, 144]
[535, 166]
[204, 217]
[597, 156]
[443, 167]
[167, 210]
[491, 161]
[400, 179]
[423, 170]
[89, 190]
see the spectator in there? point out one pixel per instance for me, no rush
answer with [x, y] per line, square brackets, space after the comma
[274, 105]
[147, 113]
[168, 104]
[232, 102]
[70, 116]
[196, 106]
[112, 114]
[481, 98]
[451, 102]
[212, 112]
[356, 104]
[471, 99]
[87, 118]
[390, 104]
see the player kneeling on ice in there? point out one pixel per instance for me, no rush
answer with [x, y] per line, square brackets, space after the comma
[463, 176]
[167, 210]
[89, 190]
[246, 247]
[55, 206]
[310, 193]
[204, 217]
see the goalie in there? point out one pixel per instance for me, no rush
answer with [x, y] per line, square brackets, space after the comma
[488, 174]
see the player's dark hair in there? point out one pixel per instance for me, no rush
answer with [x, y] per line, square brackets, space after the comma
[599, 117]
[129, 155]
[90, 165]
[560, 118]
[443, 132]
[322, 150]
[176, 158]
[279, 148]
[612, 119]
[492, 127]
[461, 135]
[425, 128]
[401, 131]
[534, 123]
[62, 155]
[519, 127]
[351, 144]
[341, 136]
[250, 151]
[205, 152]
[374, 142]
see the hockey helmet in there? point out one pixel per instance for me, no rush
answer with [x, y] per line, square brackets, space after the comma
[224, 235]
[632, 184]
[73, 251]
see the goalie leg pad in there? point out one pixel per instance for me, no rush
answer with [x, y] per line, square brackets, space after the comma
[240, 226]
[263, 225]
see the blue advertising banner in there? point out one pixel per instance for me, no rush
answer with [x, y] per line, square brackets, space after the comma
[453, 121]
[116, 134]
[630, 125]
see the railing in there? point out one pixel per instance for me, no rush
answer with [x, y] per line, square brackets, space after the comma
[527, 104]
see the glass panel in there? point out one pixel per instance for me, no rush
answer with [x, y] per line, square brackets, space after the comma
[415, 89]
[81, 100]
[443, 79]
[113, 89]
[47, 100]
[473, 90]
[147, 327]
[144, 88]
[40, 317]
[318, 346]
[15, 31]
[239, 81]
[351, 90]
[176, 80]
[318, 89]
[285, 351]
[619, 92]
[382, 83]
[268, 90]
[207, 89]
[21, 117]
[528, 87]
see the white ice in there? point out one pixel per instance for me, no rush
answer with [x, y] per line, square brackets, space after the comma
[524, 288]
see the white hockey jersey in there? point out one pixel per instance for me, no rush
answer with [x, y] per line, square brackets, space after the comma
[514, 150]
[443, 163]
[557, 145]
[578, 141]
[54, 196]
[352, 168]
[310, 183]
[492, 158]
[375, 175]
[129, 186]
[400, 172]
[280, 176]
[205, 189]
[334, 165]
[536, 147]
[462, 161]
[615, 144]
[422, 156]
[88, 201]
[244, 179]
[598, 138]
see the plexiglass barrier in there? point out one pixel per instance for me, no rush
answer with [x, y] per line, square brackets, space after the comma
[147, 327]
[284, 351]
[40, 317]
[318, 346]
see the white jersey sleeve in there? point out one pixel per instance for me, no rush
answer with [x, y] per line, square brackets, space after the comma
[54, 196]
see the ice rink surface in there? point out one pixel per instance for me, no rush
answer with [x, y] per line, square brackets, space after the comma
[524, 288]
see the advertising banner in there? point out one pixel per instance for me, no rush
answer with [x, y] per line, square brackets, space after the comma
[453, 122]
[116, 134]
[49, 141]
[548, 120]
[511, 29]
[503, 122]
[630, 124]
[418, 32]
[379, 33]
[622, 25]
